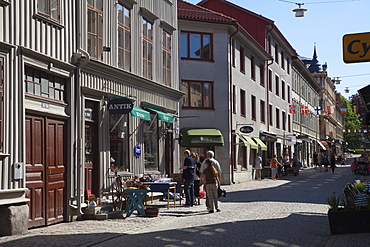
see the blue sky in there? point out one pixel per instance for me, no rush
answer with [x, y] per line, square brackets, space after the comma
[324, 23]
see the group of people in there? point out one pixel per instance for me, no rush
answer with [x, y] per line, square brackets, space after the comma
[322, 159]
[196, 174]
[285, 163]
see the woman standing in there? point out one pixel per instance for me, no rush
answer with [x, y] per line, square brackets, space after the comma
[211, 182]
[196, 178]
[258, 166]
[274, 165]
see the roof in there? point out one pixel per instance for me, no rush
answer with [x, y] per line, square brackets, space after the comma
[187, 10]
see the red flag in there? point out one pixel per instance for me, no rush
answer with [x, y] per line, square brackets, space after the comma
[304, 110]
[292, 109]
[330, 109]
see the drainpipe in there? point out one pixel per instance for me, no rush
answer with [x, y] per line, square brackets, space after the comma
[81, 61]
[231, 105]
[267, 88]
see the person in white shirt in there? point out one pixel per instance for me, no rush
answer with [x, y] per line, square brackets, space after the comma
[258, 166]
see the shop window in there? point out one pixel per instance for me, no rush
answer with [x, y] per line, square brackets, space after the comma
[151, 144]
[45, 85]
[166, 50]
[197, 94]
[124, 38]
[147, 49]
[196, 46]
[95, 28]
[118, 133]
[49, 9]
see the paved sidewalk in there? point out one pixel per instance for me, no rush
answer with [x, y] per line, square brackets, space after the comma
[291, 211]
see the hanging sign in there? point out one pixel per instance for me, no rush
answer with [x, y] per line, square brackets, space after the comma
[120, 106]
[137, 150]
[246, 129]
[356, 47]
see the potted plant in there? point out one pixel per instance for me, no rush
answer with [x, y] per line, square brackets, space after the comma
[345, 216]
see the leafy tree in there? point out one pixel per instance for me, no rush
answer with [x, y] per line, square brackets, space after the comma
[351, 122]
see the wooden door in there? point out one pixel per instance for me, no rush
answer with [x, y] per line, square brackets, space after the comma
[45, 170]
[35, 170]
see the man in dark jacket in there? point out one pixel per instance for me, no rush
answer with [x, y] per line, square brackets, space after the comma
[188, 175]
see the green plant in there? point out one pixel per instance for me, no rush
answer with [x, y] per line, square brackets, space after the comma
[333, 201]
[360, 187]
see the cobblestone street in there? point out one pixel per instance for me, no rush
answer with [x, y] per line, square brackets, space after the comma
[291, 211]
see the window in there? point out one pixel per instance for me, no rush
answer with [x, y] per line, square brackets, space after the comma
[277, 118]
[166, 49]
[45, 85]
[288, 66]
[253, 69]
[49, 9]
[288, 90]
[282, 60]
[270, 115]
[269, 45]
[270, 80]
[262, 111]
[147, 49]
[284, 120]
[283, 89]
[95, 28]
[1, 103]
[234, 99]
[196, 46]
[277, 88]
[233, 52]
[276, 53]
[119, 136]
[289, 126]
[197, 94]
[124, 38]
[242, 60]
[151, 161]
[253, 105]
[262, 74]
[242, 103]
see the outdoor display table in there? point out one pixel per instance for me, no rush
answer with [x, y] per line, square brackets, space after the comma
[135, 201]
[166, 187]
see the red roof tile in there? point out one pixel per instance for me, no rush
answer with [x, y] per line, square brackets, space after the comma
[187, 10]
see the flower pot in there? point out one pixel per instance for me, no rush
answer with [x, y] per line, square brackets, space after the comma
[151, 212]
[345, 222]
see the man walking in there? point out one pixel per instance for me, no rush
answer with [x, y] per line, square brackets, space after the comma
[188, 175]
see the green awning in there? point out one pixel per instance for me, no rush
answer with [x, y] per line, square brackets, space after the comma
[163, 116]
[140, 113]
[247, 140]
[260, 143]
[201, 137]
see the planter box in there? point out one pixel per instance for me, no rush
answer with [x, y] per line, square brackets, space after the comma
[151, 212]
[345, 222]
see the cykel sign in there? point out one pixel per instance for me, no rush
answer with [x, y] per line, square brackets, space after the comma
[120, 106]
[356, 48]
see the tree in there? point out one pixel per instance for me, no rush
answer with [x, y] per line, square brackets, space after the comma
[351, 122]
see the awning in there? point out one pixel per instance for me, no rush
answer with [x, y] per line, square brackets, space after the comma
[321, 145]
[260, 143]
[163, 116]
[140, 113]
[201, 137]
[247, 140]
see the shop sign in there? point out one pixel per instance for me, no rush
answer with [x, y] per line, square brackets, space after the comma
[120, 106]
[356, 47]
[246, 129]
[137, 150]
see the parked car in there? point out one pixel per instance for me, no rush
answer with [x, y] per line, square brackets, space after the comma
[347, 150]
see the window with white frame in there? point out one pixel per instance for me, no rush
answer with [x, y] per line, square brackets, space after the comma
[167, 57]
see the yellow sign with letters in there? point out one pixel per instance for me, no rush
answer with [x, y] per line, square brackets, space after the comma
[356, 48]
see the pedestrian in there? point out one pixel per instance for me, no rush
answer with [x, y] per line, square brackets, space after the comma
[332, 162]
[188, 176]
[274, 163]
[210, 155]
[315, 160]
[319, 160]
[212, 183]
[195, 156]
[286, 163]
[325, 161]
[258, 166]
[295, 165]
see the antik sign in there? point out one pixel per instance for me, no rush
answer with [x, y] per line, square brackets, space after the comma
[120, 106]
